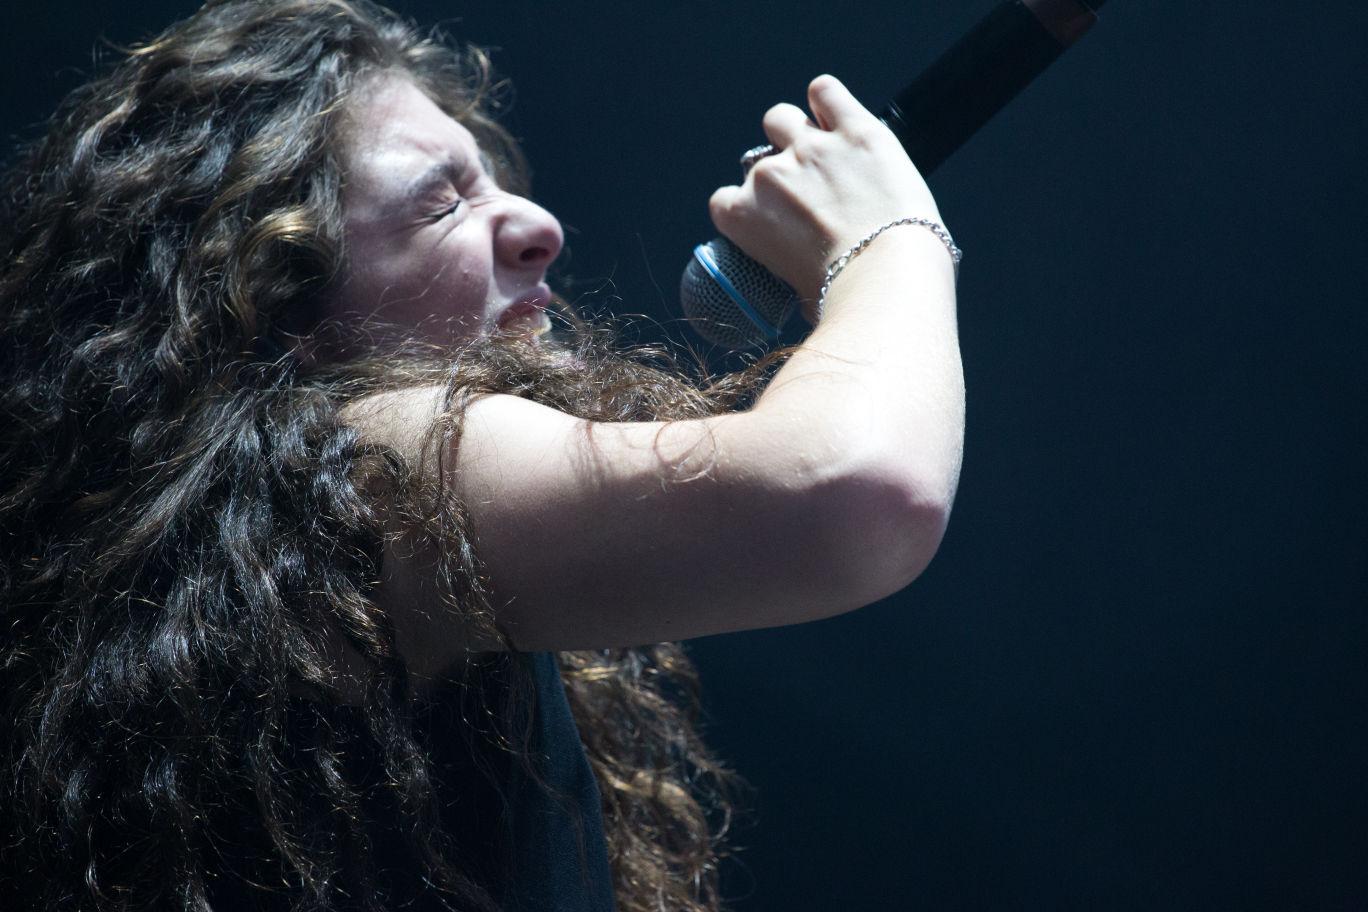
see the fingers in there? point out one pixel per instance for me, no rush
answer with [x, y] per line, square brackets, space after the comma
[833, 108]
[833, 105]
[720, 204]
[783, 122]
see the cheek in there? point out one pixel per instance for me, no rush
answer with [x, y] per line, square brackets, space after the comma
[416, 284]
[458, 281]
[452, 284]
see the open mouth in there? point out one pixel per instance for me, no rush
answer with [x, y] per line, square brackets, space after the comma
[528, 317]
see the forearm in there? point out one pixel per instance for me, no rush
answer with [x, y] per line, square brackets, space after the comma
[878, 384]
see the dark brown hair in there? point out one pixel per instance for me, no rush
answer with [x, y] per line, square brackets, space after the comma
[186, 519]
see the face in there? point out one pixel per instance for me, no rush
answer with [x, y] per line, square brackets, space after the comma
[433, 244]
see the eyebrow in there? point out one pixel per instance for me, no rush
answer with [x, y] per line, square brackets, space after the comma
[448, 171]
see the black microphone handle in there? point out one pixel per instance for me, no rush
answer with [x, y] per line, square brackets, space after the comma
[980, 73]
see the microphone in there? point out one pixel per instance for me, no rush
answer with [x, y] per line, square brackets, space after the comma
[733, 301]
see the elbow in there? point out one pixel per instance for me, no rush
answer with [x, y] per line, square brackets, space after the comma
[883, 528]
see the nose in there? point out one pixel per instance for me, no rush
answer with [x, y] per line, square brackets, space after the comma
[529, 237]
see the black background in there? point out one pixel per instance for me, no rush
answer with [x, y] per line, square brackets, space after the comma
[1134, 676]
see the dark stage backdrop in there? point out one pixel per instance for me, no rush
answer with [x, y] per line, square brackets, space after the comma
[1134, 677]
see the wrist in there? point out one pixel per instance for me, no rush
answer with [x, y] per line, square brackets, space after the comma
[931, 235]
[911, 263]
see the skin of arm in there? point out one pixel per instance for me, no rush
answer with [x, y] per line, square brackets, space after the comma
[831, 492]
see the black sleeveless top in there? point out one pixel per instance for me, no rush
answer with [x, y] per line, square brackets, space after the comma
[539, 847]
[553, 867]
[534, 847]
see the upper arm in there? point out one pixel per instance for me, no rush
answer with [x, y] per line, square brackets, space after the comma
[615, 534]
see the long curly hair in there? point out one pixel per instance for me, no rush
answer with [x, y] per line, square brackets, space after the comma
[189, 526]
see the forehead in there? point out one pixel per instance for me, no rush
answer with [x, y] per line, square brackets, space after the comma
[394, 132]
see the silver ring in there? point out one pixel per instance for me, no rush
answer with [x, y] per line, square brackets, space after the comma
[754, 155]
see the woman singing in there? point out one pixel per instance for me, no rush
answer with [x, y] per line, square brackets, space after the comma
[331, 580]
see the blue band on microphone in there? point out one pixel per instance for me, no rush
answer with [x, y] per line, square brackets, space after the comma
[703, 254]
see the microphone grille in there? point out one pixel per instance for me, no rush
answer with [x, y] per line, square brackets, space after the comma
[731, 300]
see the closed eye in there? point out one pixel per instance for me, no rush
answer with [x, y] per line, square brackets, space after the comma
[450, 210]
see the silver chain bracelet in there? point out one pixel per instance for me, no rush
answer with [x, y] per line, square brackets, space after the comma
[835, 268]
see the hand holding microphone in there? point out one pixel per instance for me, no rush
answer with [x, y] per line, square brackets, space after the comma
[826, 185]
[733, 300]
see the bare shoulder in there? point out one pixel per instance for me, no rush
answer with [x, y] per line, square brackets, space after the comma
[397, 418]
[430, 634]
